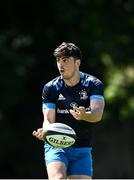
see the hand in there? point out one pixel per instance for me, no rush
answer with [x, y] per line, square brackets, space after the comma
[39, 134]
[78, 113]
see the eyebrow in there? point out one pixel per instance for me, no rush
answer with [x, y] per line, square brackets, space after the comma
[63, 57]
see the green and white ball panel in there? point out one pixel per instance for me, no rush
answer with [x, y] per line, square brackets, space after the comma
[60, 135]
[60, 140]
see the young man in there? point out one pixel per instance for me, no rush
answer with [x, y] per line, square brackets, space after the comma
[76, 99]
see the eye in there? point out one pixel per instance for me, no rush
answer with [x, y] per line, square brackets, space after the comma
[65, 60]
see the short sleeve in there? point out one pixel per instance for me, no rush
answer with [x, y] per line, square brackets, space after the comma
[97, 90]
[48, 94]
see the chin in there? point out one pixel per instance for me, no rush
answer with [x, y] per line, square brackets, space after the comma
[65, 77]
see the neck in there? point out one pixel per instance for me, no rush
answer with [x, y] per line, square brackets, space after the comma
[74, 80]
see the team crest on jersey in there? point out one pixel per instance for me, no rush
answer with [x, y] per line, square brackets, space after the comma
[83, 94]
[61, 97]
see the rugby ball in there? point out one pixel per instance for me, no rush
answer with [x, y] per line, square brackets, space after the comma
[60, 135]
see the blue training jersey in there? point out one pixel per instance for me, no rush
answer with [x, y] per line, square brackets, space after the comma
[61, 97]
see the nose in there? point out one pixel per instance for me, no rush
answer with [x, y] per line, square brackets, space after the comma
[60, 64]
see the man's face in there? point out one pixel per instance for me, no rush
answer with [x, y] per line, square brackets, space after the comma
[67, 66]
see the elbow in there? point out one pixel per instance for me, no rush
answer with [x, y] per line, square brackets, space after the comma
[97, 118]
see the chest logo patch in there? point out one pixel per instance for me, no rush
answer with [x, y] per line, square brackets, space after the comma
[83, 94]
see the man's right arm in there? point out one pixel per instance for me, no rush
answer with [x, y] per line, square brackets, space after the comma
[49, 117]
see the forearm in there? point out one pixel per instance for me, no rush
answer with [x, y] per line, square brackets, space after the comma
[96, 111]
[46, 122]
[49, 117]
[92, 116]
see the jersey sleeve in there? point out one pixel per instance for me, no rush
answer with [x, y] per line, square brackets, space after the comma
[48, 97]
[97, 90]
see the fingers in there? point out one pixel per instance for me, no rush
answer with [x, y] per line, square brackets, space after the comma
[75, 114]
[33, 133]
[38, 134]
[74, 111]
[78, 112]
[81, 109]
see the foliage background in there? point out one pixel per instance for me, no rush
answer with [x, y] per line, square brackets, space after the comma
[29, 32]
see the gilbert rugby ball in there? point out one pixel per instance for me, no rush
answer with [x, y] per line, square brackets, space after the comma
[60, 135]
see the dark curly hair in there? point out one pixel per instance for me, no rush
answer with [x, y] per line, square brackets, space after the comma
[68, 49]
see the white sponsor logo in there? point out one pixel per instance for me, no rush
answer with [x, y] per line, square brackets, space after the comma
[62, 111]
[61, 97]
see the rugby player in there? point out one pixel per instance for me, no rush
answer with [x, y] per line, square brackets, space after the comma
[76, 99]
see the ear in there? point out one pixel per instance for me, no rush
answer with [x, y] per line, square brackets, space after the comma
[78, 62]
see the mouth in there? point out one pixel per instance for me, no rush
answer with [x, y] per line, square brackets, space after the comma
[62, 70]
